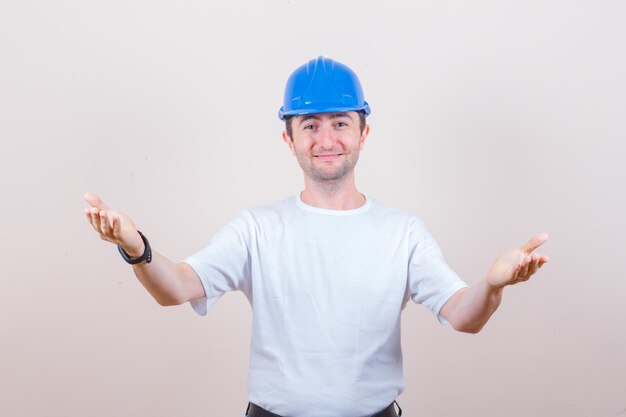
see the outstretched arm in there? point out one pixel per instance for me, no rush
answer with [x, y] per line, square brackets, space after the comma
[167, 282]
[469, 309]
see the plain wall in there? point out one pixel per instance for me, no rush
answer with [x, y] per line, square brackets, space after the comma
[492, 120]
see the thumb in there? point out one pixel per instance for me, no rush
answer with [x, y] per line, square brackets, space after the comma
[534, 242]
[95, 201]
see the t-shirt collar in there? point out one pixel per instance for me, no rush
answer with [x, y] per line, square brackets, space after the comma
[365, 207]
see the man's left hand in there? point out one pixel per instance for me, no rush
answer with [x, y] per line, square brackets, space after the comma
[517, 265]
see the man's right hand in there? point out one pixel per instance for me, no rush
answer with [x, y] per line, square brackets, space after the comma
[167, 282]
[113, 226]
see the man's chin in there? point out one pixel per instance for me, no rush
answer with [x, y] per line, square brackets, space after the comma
[329, 175]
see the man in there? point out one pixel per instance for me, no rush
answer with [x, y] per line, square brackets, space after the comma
[327, 271]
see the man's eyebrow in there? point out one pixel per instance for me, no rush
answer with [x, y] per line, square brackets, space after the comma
[308, 117]
[336, 115]
[314, 116]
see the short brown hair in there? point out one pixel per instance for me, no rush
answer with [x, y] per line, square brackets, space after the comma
[289, 120]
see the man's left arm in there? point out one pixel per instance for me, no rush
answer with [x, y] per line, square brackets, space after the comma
[470, 308]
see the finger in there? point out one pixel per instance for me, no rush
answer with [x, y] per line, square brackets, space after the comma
[95, 201]
[533, 266]
[95, 219]
[534, 242]
[116, 227]
[516, 273]
[523, 271]
[104, 223]
[88, 215]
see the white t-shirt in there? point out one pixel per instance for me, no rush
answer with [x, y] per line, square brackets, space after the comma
[326, 288]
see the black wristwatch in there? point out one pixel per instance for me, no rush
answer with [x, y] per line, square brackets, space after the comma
[147, 253]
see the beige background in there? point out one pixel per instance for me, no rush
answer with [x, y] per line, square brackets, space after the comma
[491, 120]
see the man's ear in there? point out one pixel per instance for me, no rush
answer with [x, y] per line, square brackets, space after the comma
[287, 139]
[366, 131]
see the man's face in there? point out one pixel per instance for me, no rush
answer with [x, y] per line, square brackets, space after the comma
[326, 145]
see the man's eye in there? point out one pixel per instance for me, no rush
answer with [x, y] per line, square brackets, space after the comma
[341, 124]
[309, 127]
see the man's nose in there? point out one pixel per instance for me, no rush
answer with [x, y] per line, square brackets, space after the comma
[327, 138]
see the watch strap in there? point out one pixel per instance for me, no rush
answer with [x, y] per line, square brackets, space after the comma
[147, 253]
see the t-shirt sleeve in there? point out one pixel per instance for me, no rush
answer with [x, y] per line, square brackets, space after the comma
[431, 281]
[224, 264]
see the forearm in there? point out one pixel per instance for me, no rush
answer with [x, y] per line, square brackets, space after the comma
[471, 308]
[161, 277]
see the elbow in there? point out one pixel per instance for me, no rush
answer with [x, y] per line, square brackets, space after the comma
[168, 301]
[470, 328]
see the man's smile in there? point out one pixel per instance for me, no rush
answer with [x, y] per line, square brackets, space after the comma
[328, 156]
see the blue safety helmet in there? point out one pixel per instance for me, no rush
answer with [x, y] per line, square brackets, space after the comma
[322, 85]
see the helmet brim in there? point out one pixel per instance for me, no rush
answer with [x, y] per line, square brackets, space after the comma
[282, 114]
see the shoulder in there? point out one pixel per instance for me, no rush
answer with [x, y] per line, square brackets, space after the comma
[385, 212]
[270, 210]
[252, 222]
[269, 214]
[402, 224]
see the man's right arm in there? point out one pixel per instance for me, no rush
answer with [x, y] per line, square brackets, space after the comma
[167, 282]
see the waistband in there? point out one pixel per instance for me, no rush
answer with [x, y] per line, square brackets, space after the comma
[254, 410]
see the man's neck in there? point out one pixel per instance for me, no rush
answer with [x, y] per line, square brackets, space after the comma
[332, 196]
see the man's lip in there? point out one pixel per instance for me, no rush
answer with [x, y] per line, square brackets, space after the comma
[327, 155]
